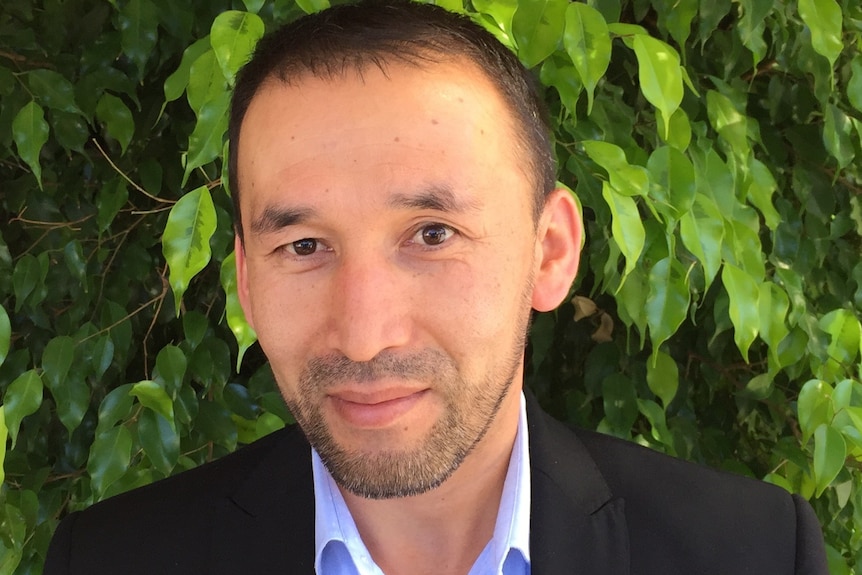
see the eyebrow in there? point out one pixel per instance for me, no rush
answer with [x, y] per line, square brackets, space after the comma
[439, 198]
[275, 218]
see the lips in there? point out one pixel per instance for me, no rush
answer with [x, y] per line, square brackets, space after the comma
[375, 409]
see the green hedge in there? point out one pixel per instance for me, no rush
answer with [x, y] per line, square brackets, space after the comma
[715, 147]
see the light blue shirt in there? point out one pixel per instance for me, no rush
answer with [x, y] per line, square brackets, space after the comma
[339, 549]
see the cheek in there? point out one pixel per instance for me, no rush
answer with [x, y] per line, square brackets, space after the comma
[481, 307]
[282, 315]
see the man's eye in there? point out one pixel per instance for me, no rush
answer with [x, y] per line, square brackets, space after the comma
[433, 234]
[303, 247]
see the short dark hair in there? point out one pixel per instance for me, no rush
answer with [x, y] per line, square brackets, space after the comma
[373, 32]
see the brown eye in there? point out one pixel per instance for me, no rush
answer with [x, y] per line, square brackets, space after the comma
[304, 247]
[435, 234]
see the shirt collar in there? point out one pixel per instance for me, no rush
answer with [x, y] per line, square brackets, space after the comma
[335, 531]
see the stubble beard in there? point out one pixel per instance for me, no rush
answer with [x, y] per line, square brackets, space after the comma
[470, 408]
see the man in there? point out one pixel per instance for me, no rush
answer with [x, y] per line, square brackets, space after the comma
[397, 221]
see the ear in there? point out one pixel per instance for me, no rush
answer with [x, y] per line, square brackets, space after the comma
[558, 249]
[242, 279]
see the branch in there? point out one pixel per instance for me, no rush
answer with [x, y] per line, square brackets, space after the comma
[128, 179]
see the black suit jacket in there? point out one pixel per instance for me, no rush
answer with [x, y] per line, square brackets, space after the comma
[600, 506]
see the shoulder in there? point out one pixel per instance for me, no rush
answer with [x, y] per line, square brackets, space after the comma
[680, 513]
[175, 515]
[215, 479]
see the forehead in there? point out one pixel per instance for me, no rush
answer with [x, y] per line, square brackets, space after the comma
[392, 124]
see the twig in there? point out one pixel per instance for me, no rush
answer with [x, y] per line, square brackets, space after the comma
[128, 179]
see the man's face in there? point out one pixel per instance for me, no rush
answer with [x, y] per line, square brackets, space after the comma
[387, 266]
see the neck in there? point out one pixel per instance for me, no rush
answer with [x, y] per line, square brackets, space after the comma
[444, 530]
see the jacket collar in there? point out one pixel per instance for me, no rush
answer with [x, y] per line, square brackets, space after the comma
[576, 525]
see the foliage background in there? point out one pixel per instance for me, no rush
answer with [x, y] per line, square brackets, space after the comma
[714, 146]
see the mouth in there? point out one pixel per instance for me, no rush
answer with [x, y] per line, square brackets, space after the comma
[375, 409]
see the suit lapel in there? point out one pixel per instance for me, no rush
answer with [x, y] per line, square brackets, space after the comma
[267, 524]
[576, 524]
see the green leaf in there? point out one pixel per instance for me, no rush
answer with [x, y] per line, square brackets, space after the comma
[233, 36]
[115, 407]
[112, 197]
[22, 398]
[702, 233]
[668, 300]
[761, 187]
[830, 452]
[170, 368]
[207, 139]
[176, 83]
[242, 331]
[679, 18]
[814, 407]
[855, 414]
[627, 228]
[57, 359]
[711, 14]
[679, 134]
[658, 423]
[75, 262]
[185, 243]
[760, 386]
[744, 294]
[730, 124]
[626, 31]
[30, 132]
[854, 86]
[4, 435]
[743, 237]
[773, 304]
[752, 25]
[673, 174]
[109, 457]
[620, 402]
[153, 395]
[138, 23]
[195, 326]
[206, 81]
[71, 394]
[53, 90]
[663, 376]
[215, 422]
[843, 394]
[625, 178]
[824, 19]
[312, 6]
[845, 333]
[117, 119]
[501, 12]
[659, 75]
[565, 79]
[838, 135]
[632, 296]
[71, 131]
[541, 337]
[25, 278]
[588, 43]
[5, 334]
[253, 5]
[159, 440]
[537, 27]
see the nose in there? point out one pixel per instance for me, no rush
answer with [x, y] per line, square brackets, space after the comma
[370, 307]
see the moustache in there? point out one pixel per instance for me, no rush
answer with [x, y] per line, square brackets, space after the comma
[334, 369]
